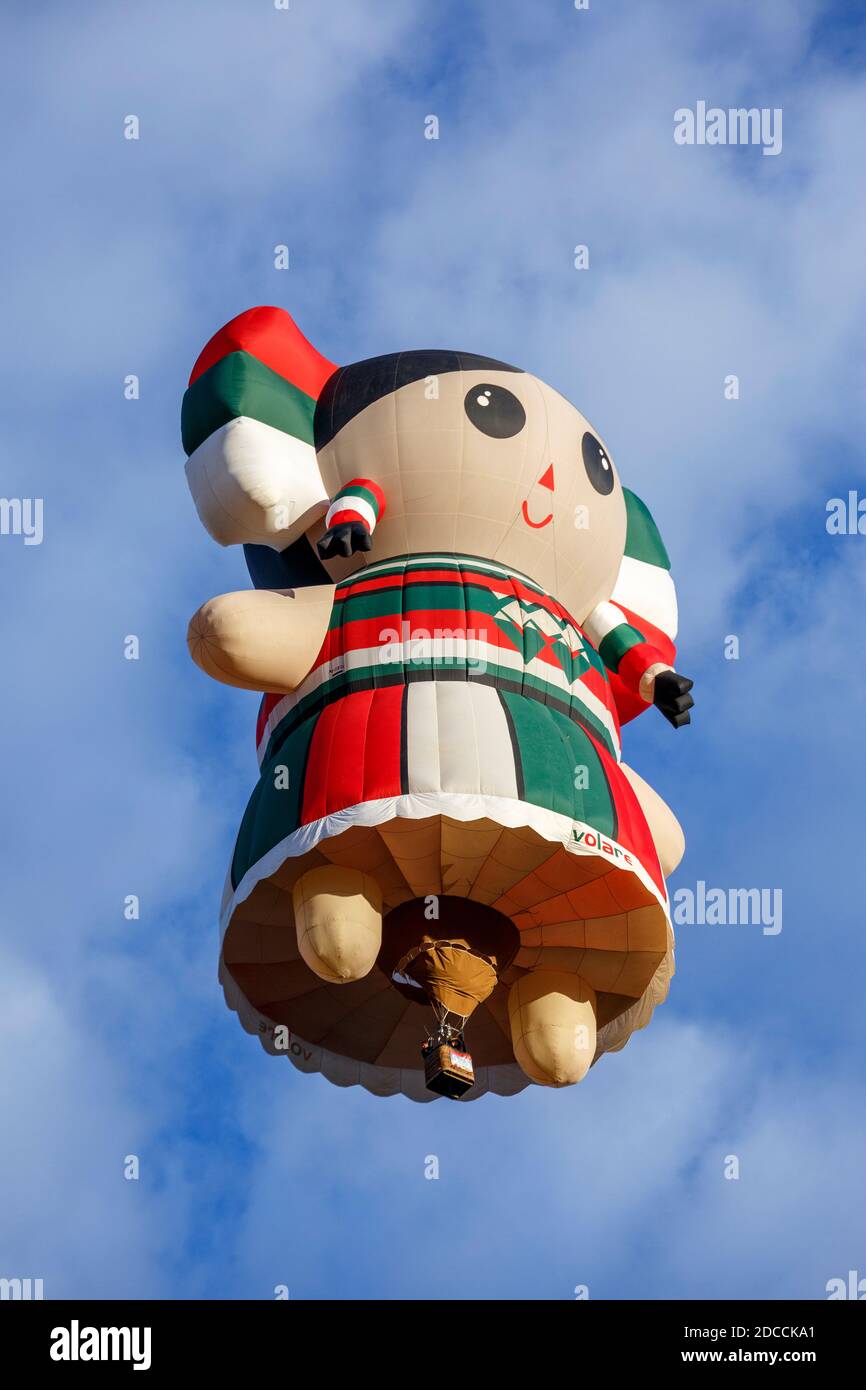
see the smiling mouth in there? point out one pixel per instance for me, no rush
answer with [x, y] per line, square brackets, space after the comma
[537, 525]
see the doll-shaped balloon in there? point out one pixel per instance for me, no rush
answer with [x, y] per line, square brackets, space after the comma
[456, 606]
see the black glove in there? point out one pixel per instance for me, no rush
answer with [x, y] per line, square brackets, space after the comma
[344, 540]
[671, 696]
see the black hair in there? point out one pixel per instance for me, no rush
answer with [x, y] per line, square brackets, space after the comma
[351, 389]
[296, 567]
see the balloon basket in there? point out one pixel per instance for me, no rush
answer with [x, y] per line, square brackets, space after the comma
[448, 1069]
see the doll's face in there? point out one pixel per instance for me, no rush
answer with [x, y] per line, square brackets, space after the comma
[483, 461]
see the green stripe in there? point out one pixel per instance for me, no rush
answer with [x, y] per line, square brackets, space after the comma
[424, 596]
[408, 600]
[240, 384]
[553, 749]
[617, 643]
[363, 492]
[363, 678]
[414, 598]
[534, 688]
[453, 563]
[642, 539]
[274, 813]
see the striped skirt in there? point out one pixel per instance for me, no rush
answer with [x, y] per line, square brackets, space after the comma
[459, 748]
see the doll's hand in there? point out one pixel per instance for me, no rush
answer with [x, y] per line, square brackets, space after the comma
[344, 540]
[671, 696]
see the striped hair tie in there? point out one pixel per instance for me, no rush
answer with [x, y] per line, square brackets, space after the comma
[359, 500]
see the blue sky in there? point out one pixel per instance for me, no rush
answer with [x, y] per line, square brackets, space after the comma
[305, 127]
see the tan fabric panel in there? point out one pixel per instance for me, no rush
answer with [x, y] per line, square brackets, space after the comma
[312, 1014]
[362, 847]
[338, 919]
[269, 984]
[619, 951]
[403, 1046]
[261, 639]
[368, 1039]
[415, 848]
[648, 930]
[553, 1027]
[636, 973]
[246, 942]
[517, 852]
[266, 903]
[465, 851]
[568, 958]
[286, 876]
[614, 1036]
[489, 1034]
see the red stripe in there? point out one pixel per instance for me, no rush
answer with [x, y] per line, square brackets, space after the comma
[318, 764]
[629, 704]
[382, 746]
[273, 337]
[596, 682]
[362, 633]
[632, 832]
[635, 662]
[653, 634]
[341, 517]
[269, 703]
[501, 587]
[371, 487]
[355, 752]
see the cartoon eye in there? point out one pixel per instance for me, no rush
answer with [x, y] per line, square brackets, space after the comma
[494, 411]
[599, 468]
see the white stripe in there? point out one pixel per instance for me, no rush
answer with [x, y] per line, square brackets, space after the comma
[475, 651]
[467, 807]
[453, 562]
[422, 738]
[498, 774]
[458, 739]
[350, 503]
[648, 590]
[602, 620]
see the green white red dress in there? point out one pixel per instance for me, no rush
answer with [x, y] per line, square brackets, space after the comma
[449, 685]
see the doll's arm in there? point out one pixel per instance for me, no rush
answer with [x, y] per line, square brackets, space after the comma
[351, 519]
[261, 639]
[641, 666]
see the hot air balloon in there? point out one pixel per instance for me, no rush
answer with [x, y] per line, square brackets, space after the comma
[446, 880]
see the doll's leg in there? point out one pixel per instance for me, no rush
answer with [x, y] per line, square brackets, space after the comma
[553, 1029]
[338, 918]
[665, 829]
[261, 639]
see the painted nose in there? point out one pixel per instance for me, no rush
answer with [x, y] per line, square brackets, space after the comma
[536, 509]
